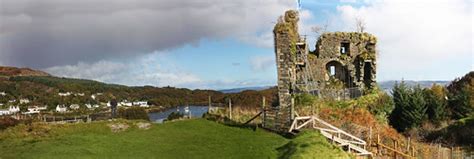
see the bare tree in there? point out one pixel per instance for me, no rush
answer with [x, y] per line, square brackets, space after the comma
[320, 29]
[360, 24]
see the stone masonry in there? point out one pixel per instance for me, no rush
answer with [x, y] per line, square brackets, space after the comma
[342, 61]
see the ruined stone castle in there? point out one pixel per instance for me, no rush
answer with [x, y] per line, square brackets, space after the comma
[342, 65]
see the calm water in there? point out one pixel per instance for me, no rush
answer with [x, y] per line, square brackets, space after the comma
[196, 112]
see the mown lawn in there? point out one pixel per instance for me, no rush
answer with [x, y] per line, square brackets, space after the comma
[182, 139]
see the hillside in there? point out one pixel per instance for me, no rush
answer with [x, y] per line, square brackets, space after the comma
[43, 90]
[182, 139]
[13, 71]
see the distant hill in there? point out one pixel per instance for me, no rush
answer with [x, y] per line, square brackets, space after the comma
[388, 85]
[238, 90]
[13, 71]
[43, 89]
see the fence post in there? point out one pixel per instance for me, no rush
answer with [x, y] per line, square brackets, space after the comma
[292, 110]
[230, 108]
[209, 107]
[395, 144]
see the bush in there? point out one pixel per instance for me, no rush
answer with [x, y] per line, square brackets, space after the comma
[134, 113]
[304, 100]
[382, 107]
[175, 115]
[6, 122]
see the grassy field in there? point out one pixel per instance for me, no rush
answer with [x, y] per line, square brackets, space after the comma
[182, 139]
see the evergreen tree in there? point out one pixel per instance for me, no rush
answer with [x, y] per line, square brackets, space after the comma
[460, 104]
[401, 97]
[415, 113]
[461, 96]
[436, 106]
[410, 107]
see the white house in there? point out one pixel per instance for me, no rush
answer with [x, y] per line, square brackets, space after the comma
[61, 108]
[12, 101]
[4, 112]
[14, 109]
[24, 101]
[3, 94]
[43, 108]
[80, 94]
[1, 104]
[74, 106]
[10, 110]
[93, 96]
[32, 110]
[141, 104]
[126, 103]
[64, 94]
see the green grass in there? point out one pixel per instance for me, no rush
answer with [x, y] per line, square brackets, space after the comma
[311, 144]
[182, 139]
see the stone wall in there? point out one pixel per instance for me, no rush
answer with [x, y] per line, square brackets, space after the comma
[341, 61]
[286, 36]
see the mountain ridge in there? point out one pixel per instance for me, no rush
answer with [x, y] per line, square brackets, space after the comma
[15, 71]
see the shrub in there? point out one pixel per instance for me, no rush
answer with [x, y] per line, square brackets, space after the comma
[304, 100]
[134, 113]
[382, 106]
[175, 115]
[6, 122]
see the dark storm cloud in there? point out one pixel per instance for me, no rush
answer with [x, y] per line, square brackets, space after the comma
[45, 33]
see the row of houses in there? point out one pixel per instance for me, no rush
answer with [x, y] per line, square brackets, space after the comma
[126, 103]
[65, 94]
[11, 110]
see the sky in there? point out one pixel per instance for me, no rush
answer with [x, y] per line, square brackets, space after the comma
[220, 44]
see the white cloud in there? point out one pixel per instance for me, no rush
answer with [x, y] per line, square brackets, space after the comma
[135, 72]
[262, 63]
[422, 39]
[154, 69]
[33, 32]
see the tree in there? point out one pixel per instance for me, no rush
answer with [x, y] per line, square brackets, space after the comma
[410, 107]
[320, 29]
[416, 110]
[401, 97]
[360, 24]
[461, 96]
[436, 103]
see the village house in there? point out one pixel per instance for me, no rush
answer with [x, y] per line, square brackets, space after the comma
[3, 93]
[61, 108]
[24, 101]
[12, 101]
[4, 112]
[64, 94]
[80, 94]
[90, 106]
[33, 110]
[126, 103]
[74, 106]
[141, 104]
[10, 110]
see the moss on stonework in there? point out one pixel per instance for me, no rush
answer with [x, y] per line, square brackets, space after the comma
[367, 56]
[334, 83]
